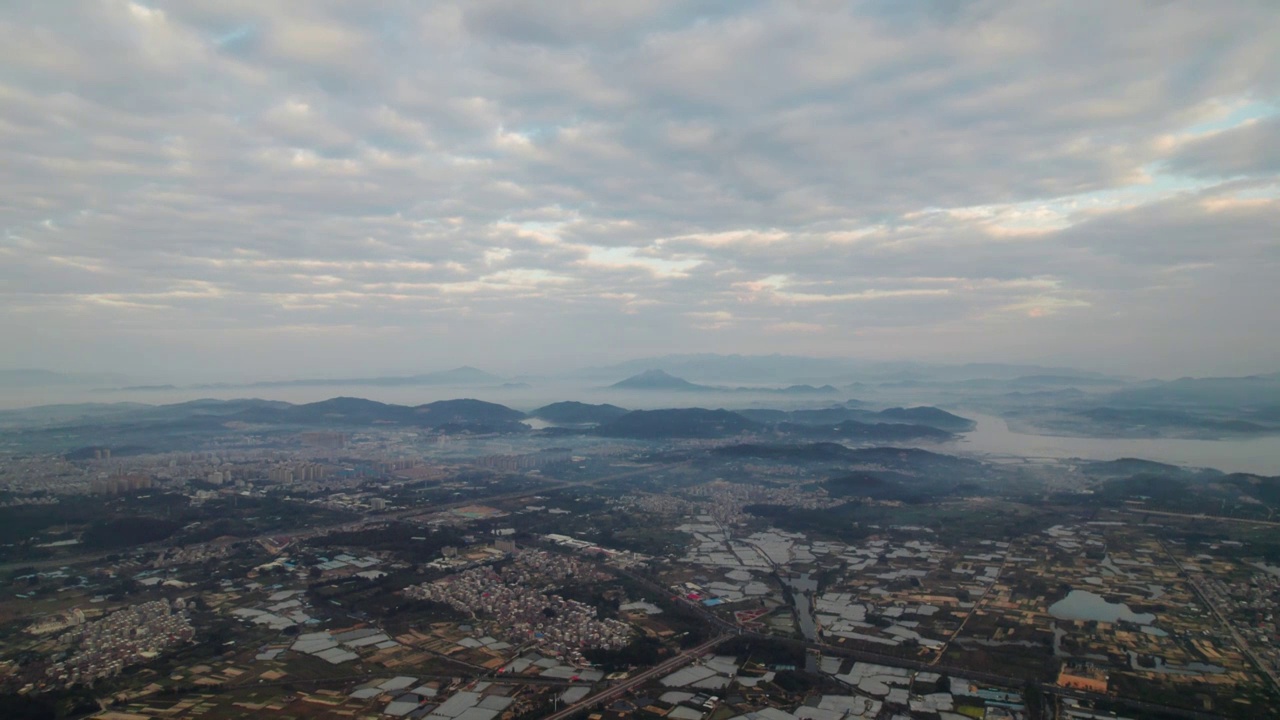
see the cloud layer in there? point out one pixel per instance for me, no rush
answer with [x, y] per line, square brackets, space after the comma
[281, 188]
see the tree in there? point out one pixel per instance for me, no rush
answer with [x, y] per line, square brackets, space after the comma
[793, 681]
[23, 707]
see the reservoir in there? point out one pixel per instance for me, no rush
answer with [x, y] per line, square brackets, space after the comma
[992, 436]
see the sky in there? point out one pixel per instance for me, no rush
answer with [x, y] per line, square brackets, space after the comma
[219, 189]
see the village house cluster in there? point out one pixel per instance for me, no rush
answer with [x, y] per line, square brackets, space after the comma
[103, 648]
[725, 501]
[525, 614]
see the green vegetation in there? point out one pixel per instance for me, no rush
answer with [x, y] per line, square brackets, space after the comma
[682, 423]
[770, 653]
[855, 521]
[576, 413]
[121, 522]
[1238, 495]
[865, 432]
[875, 485]
[127, 532]
[394, 537]
[641, 652]
[795, 453]
[56, 705]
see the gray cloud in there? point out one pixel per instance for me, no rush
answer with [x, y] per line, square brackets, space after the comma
[447, 183]
[1251, 150]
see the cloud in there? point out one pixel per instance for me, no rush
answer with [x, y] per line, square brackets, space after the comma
[1249, 150]
[952, 180]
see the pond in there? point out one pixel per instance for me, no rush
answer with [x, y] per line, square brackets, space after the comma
[1084, 605]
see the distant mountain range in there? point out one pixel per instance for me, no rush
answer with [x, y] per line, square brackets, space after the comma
[350, 411]
[927, 416]
[1034, 398]
[733, 368]
[793, 369]
[136, 422]
[141, 426]
[703, 423]
[1021, 382]
[661, 380]
[1252, 391]
[758, 373]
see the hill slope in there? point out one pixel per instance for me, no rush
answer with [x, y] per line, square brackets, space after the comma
[577, 413]
[680, 423]
[656, 380]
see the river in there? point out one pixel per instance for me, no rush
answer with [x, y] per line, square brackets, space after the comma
[802, 590]
[992, 436]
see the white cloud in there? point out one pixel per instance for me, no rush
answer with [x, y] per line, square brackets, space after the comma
[635, 175]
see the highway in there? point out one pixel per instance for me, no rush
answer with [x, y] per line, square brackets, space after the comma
[366, 676]
[1202, 516]
[616, 691]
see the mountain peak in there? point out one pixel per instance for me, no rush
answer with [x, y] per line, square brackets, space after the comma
[655, 380]
[656, 374]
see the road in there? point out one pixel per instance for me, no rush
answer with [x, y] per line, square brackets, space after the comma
[1241, 644]
[638, 679]
[976, 607]
[1201, 516]
[366, 676]
[730, 629]
[920, 665]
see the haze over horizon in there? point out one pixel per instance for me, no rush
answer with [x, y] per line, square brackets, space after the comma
[205, 191]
